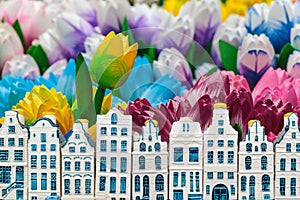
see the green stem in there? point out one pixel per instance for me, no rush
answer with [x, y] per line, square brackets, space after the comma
[99, 99]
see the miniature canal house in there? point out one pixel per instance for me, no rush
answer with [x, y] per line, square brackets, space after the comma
[44, 147]
[220, 157]
[113, 156]
[78, 157]
[150, 165]
[185, 160]
[287, 160]
[13, 157]
[256, 164]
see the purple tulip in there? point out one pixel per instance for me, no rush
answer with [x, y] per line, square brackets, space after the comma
[144, 21]
[172, 62]
[231, 31]
[111, 15]
[255, 56]
[73, 30]
[293, 65]
[206, 15]
[175, 32]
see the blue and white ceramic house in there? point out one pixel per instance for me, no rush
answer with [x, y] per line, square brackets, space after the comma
[78, 159]
[186, 160]
[113, 156]
[220, 157]
[44, 159]
[150, 165]
[256, 164]
[287, 158]
[13, 157]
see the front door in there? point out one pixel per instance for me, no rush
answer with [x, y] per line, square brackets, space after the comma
[220, 192]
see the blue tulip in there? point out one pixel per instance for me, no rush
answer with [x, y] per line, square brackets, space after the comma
[275, 22]
[165, 88]
[67, 82]
[12, 90]
[141, 76]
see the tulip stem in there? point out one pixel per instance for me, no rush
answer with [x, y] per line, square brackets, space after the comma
[99, 99]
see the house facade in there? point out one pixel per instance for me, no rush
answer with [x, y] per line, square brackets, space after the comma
[287, 160]
[44, 159]
[150, 165]
[220, 157]
[113, 156]
[78, 159]
[256, 164]
[13, 157]
[185, 160]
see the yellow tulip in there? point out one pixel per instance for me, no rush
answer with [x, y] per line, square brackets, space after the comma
[113, 61]
[41, 100]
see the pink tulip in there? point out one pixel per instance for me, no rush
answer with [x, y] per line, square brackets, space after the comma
[32, 17]
[10, 44]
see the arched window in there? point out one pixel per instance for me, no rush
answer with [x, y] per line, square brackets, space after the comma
[114, 118]
[142, 162]
[157, 162]
[265, 183]
[249, 147]
[137, 183]
[159, 183]
[149, 148]
[138, 198]
[263, 147]
[243, 183]
[248, 162]
[146, 186]
[252, 186]
[157, 147]
[142, 147]
[264, 163]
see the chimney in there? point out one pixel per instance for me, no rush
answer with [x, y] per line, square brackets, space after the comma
[286, 119]
[85, 124]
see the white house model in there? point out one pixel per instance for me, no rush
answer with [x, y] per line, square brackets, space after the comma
[78, 158]
[44, 159]
[287, 157]
[113, 155]
[185, 160]
[256, 164]
[150, 165]
[13, 157]
[220, 157]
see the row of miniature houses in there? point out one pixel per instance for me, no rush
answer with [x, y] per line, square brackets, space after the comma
[40, 163]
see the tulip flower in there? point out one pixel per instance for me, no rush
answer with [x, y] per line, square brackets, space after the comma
[293, 65]
[32, 16]
[22, 65]
[172, 62]
[277, 86]
[175, 32]
[235, 82]
[295, 37]
[56, 68]
[144, 21]
[111, 15]
[84, 8]
[41, 100]
[275, 22]
[255, 56]
[209, 11]
[231, 31]
[73, 30]
[112, 63]
[10, 44]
